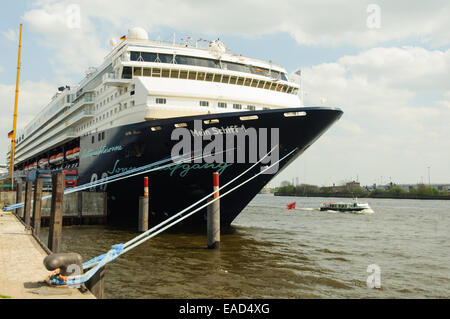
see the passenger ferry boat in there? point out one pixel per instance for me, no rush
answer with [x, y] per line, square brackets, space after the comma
[345, 207]
[122, 115]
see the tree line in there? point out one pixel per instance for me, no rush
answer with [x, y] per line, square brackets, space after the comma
[421, 191]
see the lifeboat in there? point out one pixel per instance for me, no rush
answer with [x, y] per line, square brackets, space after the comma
[43, 162]
[56, 159]
[69, 154]
[73, 153]
[76, 152]
[59, 158]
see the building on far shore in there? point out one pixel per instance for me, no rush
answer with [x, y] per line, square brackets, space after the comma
[439, 187]
[408, 187]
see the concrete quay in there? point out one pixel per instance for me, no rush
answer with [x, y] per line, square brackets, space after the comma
[22, 272]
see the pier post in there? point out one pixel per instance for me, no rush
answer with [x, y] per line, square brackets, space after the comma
[56, 218]
[28, 194]
[143, 208]
[19, 199]
[96, 284]
[213, 217]
[37, 205]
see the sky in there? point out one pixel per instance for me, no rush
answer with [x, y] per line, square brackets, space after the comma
[386, 64]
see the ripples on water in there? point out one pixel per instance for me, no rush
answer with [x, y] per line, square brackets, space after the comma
[274, 253]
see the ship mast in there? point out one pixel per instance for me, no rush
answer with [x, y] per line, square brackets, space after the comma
[13, 140]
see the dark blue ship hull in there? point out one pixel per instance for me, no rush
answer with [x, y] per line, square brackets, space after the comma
[122, 148]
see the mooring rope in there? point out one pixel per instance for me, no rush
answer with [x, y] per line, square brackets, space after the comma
[120, 249]
[196, 203]
[123, 175]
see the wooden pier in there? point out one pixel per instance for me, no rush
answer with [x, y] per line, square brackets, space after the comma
[22, 272]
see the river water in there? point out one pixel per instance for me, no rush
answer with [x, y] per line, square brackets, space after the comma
[271, 252]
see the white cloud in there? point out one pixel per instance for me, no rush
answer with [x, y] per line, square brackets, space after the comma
[311, 22]
[11, 35]
[382, 132]
[33, 96]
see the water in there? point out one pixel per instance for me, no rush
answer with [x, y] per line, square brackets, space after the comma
[275, 253]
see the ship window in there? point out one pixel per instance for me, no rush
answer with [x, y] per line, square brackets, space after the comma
[247, 82]
[156, 73]
[147, 72]
[201, 76]
[240, 81]
[127, 72]
[225, 79]
[233, 79]
[254, 83]
[161, 101]
[165, 73]
[248, 118]
[209, 77]
[267, 85]
[251, 107]
[261, 84]
[222, 104]
[183, 74]
[103, 135]
[174, 74]
[214, 121]
[217, 77]
[204, 103]
[237, 106]
[192, 75]
[291, 114]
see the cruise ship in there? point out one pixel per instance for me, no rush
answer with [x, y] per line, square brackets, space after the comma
[123, 113]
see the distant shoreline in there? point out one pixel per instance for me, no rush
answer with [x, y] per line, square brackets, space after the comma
[373, 196]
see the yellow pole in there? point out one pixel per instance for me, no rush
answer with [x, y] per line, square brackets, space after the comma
[13, 140]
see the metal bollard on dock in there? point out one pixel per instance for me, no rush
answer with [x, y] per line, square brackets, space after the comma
[143, 208]
[213, 217]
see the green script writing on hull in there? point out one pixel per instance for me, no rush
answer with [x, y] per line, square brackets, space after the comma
[184, 169]
[181, 169]
[104, 150]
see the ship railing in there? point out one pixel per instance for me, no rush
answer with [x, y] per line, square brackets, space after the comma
[111, 78]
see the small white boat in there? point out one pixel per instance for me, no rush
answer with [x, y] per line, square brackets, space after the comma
[345, 207]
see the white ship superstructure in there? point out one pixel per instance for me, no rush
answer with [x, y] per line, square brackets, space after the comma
[142, 80]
